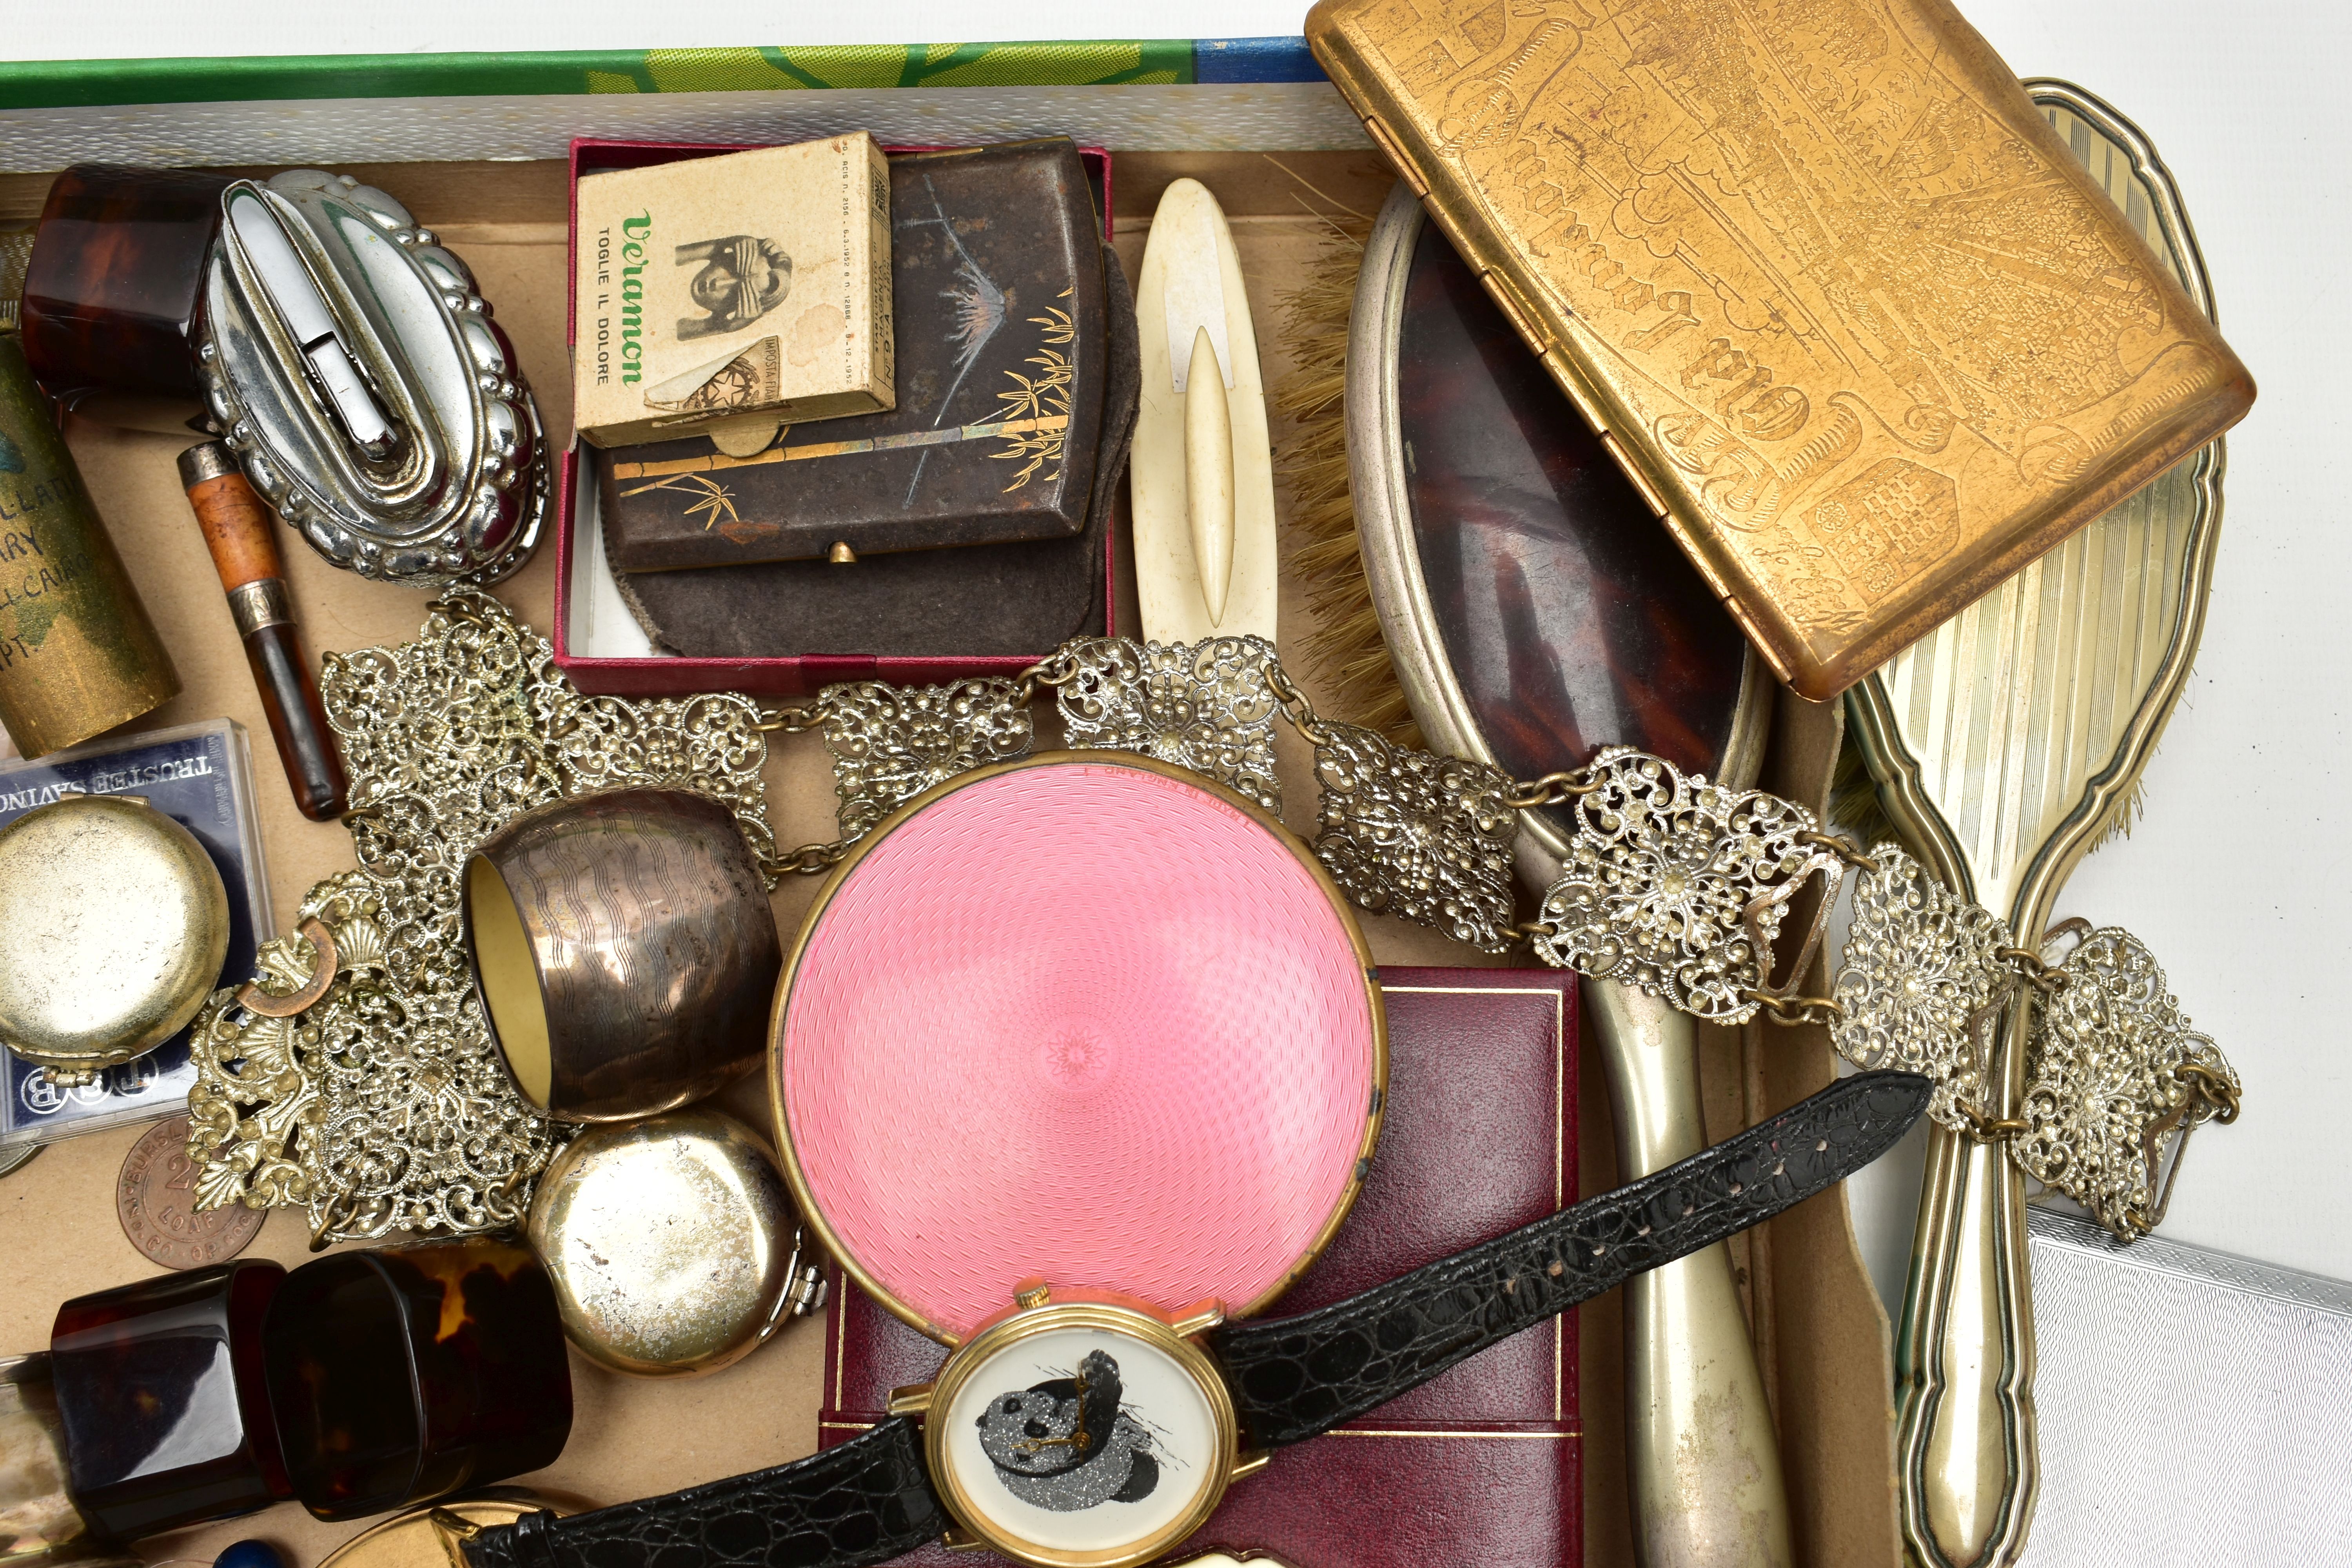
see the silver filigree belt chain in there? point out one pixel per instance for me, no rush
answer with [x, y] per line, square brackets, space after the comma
[355, 1077]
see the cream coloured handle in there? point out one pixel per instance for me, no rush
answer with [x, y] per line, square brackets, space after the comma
[1208, 474]
[1701, 1458]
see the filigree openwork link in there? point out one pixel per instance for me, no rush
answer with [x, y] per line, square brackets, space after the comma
[1418, 836]
[2112, 1074]
[256, 1074]
[2114, 1078]
[384, 1105]
[1676, 885]
[1921, 984]
[1206, 706]
[890, 743]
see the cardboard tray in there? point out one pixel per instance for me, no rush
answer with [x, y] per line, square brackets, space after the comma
[1252, 120]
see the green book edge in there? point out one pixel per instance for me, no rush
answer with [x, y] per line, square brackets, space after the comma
[67, 84]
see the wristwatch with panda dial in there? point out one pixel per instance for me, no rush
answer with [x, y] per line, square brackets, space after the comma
[1081, 1429]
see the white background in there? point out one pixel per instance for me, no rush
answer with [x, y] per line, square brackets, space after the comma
[2238, 875]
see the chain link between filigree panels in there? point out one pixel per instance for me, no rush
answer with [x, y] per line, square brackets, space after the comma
[1207, 706]
[1921, 984]
[2113, 1072]
[2115, 1080]
[890, 743]
[1678, 886]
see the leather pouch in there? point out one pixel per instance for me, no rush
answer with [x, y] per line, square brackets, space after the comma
[999, 310]
[1482, 1465]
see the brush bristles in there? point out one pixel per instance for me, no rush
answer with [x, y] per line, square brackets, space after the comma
[1853, 799]
[1345, 650]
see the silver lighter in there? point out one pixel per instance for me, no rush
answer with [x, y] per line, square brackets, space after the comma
[365, 387]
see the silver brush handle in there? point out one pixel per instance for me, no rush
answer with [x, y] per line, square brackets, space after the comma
[1701, 1459]
[1965, 1445]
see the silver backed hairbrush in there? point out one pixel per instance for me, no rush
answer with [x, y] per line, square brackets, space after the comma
[2004, 746]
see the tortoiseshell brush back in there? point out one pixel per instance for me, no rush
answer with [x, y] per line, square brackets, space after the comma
[1533, 612]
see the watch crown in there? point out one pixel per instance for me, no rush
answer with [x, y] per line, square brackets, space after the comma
[1032, 1293]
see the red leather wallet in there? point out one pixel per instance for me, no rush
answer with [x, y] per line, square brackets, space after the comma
[1481, 1466]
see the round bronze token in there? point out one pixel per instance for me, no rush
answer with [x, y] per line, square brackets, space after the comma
[155, 1198]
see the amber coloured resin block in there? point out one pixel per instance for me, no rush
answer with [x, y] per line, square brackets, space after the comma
[159, 1387]
[406, 1373]
[115, 286]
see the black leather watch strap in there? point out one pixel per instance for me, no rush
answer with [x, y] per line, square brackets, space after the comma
[1294, 1377]
[866, 1500]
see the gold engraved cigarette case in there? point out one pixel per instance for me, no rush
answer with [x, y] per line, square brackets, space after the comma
[1865, 334]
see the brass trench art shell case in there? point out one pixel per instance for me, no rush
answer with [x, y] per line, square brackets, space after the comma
[77, 653]
[113, 928]
[1841, 302]
[671, 1242]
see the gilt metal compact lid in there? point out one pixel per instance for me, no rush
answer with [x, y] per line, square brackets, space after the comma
[113, 928]
[1086, 1017]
